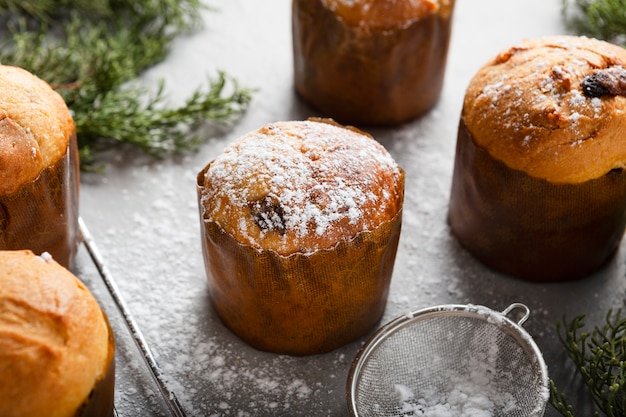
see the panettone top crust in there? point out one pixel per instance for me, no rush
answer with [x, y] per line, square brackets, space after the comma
[35, 127]
[54, 338]
[528, 109]
[300, 186]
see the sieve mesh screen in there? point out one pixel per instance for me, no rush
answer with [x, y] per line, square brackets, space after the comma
[451, 362]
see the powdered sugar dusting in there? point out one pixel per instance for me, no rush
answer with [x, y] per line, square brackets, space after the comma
[553, 95]
[45, 257]
[471, 395]
[298, 179]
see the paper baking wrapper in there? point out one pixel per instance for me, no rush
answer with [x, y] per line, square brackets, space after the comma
[100, 402]
[529, 227]
[43, 214]
[369, 77]
[300, 304]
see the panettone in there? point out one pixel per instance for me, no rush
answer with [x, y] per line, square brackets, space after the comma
[539, 190]
[56, 347]
[38, 166]
[300, 224]
[371, 62]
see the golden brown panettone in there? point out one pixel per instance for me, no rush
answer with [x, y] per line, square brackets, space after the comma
[539, 190]
[56, 347]
[371, 62]
[300, 224]
[38, 167]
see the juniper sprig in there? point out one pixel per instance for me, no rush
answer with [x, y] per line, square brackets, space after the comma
[600, 358]
[601, 19]
[92, 53]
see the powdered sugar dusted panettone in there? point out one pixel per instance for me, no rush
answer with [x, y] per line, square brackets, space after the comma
[300, 223]
[301, 186]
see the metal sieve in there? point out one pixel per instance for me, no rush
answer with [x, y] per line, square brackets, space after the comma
[450, 360]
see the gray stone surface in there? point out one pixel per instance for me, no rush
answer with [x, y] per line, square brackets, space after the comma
[144, 216]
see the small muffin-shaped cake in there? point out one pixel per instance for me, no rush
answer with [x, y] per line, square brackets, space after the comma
[300, 227]
[39, 168]
[56, 346]
[371, 62]
[539, 188]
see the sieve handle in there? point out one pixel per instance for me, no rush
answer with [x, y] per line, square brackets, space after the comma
[520, 306]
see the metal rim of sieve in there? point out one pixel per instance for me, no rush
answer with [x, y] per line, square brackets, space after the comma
[513, 328]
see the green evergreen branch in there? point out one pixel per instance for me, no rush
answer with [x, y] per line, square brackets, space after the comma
[121, 116]
[600, 359]
[559, 401]
[92, 52]
[601, 19]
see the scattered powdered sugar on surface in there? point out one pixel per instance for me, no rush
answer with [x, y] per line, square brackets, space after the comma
[146, 224]
[153, 249]
[243, 386]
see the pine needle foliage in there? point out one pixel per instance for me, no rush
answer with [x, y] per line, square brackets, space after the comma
[93, 51]
[601, 19]
[600, 359]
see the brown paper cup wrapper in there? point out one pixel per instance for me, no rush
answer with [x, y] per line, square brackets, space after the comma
[369, 77]
[300, 304]
[100, 402]
[529, 227]
[43, 214]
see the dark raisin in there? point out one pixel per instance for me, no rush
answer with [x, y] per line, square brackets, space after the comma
[605, 82]
[592, 87]
[268, 214]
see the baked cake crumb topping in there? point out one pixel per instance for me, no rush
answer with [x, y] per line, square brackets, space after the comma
[300, 185]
